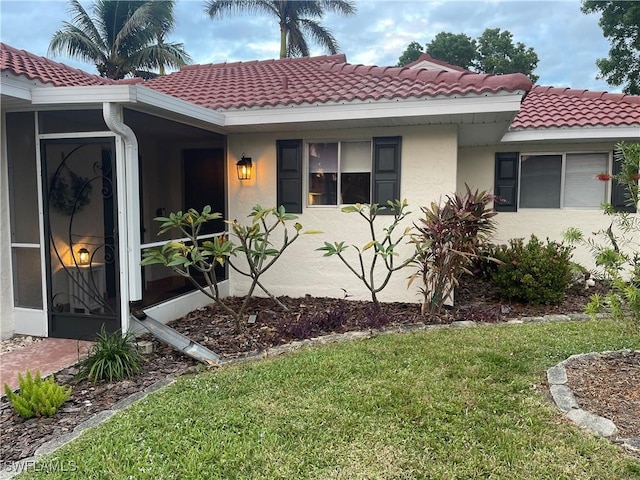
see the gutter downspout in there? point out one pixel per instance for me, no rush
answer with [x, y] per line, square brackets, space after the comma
[128, 207]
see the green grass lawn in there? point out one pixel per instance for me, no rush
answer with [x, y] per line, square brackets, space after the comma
[446, 404]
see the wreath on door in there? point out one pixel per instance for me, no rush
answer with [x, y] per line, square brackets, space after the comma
[70, 193]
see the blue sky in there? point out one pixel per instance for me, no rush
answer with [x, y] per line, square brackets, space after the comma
[567, 41]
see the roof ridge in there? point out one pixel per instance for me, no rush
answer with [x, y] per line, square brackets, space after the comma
[425, 57]
[337, 58]
[586, 94]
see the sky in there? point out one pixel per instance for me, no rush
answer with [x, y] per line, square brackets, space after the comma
[567, 41]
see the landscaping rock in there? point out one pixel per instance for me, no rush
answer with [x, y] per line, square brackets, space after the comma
[597, 424]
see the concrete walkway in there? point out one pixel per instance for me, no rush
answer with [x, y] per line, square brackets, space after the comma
[49, 356]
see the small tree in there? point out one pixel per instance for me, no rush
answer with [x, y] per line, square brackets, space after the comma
[616, 249]
[449, 238]
[194, 255]
[383, 249]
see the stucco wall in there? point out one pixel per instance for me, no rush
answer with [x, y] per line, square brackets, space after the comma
[476, 168]
[428, 171]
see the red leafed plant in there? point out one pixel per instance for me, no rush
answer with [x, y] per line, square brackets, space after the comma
[603, 177]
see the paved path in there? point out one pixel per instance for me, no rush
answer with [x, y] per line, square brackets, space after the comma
[49, 356]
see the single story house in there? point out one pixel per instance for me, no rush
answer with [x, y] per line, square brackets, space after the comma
[87, 163]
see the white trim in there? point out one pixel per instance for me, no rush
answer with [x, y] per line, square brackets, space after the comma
[25, 245]
[29, 321]
[179, 306]
[572, 133]
[13, 87]
[126, 95]
[185, 239]
[43, 259]
[362, 110]
[71, 135]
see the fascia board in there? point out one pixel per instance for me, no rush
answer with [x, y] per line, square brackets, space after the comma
[97, 94]
[430, 106]
[572, 133]
[171, 104]
[125, 94]
[13, 87]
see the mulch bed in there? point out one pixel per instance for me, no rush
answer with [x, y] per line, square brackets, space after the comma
[307, 317]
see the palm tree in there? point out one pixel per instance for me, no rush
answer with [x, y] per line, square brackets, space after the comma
[297, 19]
[124, 38]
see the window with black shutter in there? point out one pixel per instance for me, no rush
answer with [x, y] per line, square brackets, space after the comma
[386, 170]
[289, 168]
[506, 181]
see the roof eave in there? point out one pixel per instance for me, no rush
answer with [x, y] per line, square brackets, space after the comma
[568, 134]
[365, 110]
[136, 96]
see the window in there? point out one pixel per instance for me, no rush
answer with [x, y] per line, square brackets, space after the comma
[559, 180]
[339, 173]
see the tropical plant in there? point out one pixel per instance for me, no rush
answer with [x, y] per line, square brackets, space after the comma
[383, 249]
[616, 249]
[449, 237]
[37, 397]
[297, 20]
[123, 38]
[114, 356]
[255, 245]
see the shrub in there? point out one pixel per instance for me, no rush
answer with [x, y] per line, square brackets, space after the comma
[37, 397]
[534, 272]
[113, 357]
[449, 238]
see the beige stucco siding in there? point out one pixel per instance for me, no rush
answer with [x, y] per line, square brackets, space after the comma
[476, 168]
[428, 172]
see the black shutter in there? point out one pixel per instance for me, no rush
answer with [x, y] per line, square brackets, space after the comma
[620, 196]
[506, 182]
[289, 160]
[386, 170]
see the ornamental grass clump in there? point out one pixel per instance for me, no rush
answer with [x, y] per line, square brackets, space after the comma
[113, 357]
[37, 397]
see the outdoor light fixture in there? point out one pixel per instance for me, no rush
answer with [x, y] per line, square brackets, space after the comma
[244, 168]
[83, 256]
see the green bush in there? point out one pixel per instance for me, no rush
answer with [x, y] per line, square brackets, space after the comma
[113, 357]
[37, 397]
[534, 272]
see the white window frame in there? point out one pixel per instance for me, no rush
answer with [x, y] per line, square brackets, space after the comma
[563, 155]
[306, 172]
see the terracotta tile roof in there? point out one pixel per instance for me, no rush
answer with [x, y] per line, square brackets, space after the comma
[34, 67]
[546, 107]
[324, 79]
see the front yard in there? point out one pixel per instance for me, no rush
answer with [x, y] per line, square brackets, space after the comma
[441, 404]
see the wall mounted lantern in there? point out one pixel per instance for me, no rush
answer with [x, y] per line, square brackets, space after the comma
[244, 168]
[83, 257]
